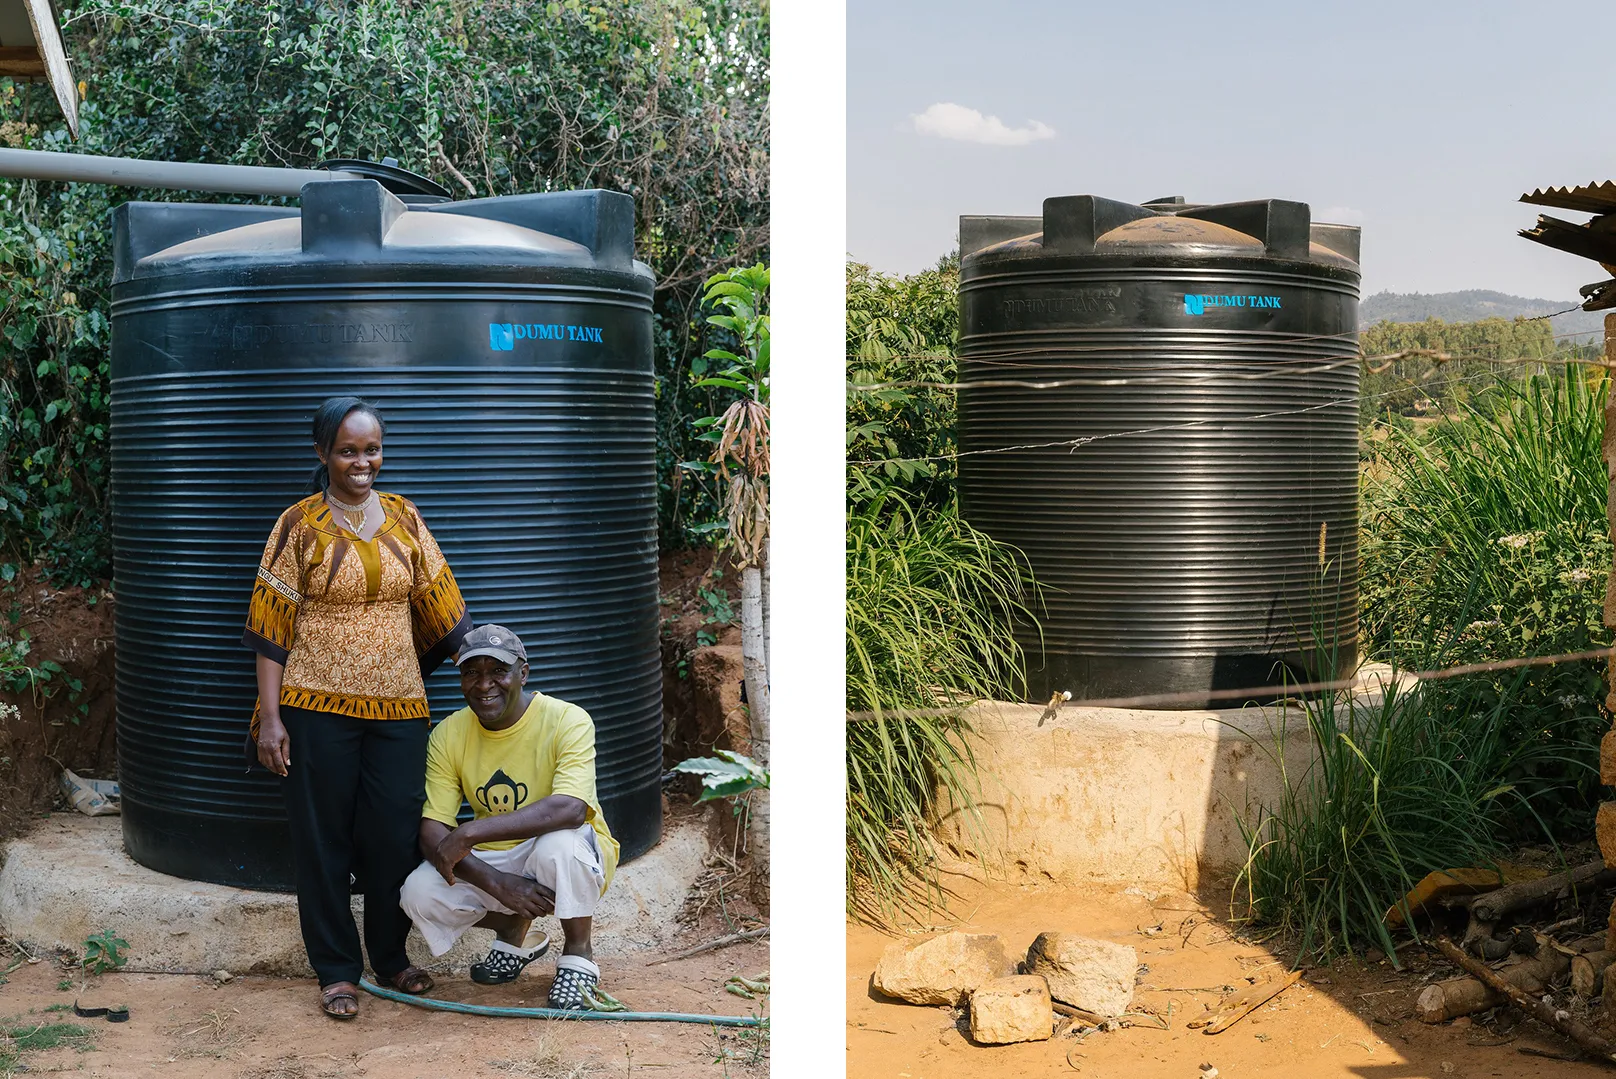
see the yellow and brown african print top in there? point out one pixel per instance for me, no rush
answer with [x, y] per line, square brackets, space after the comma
[357, 623]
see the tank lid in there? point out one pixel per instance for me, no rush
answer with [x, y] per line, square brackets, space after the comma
[361, 222]
[1090, 225]
[388, 173]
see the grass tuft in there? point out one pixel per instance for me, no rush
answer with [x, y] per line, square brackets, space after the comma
[20, 1036]
[930, 604]
[1397, 786]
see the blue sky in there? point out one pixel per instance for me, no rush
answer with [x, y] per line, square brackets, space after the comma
[1422, 122]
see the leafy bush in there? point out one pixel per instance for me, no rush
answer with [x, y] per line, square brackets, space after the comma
[901, 329]
[1486, 539]
[665, 101]
[930, 602]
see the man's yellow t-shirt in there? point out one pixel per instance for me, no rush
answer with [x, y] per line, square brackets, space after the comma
[550, 750]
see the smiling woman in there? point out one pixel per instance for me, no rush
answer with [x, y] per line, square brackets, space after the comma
[375, 607]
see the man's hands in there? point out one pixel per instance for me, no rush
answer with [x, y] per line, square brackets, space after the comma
[449, 852]
[525, 897]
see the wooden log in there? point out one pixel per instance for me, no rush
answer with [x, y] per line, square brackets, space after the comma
[1236, 1008]
[1494, 905]
[712, 945]
[1441, 1001]
[1543, 1013]
[1591, 942]
[1588, 973]
[1093, 1019]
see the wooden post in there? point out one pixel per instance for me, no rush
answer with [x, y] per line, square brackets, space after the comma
[1607, 745]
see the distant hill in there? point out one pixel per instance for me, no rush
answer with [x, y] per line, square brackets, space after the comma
[1474, 304]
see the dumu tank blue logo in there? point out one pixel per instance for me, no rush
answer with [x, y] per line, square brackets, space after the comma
[502, 336]
[1197, 304]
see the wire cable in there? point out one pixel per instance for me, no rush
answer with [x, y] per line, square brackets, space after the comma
[1084, 440]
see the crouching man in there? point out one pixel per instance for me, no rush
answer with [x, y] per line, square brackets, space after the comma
[539, 845]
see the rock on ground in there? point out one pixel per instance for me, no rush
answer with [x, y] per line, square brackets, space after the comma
[943, 970]
[1013, 1009]
[1095, 975]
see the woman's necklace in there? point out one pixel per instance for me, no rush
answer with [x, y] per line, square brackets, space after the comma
[353, 517]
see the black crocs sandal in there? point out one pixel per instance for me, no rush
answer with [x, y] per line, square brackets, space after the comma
[570, 987]
[499, 966]
[118, 1013]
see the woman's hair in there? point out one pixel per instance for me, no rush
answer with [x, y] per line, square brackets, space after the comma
[327, 421]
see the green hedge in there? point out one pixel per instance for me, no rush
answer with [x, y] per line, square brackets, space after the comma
[667, 101]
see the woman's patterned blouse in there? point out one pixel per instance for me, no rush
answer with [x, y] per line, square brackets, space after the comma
[356, 623]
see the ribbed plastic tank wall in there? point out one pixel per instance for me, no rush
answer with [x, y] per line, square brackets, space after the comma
[1187, 491]
[508, 343]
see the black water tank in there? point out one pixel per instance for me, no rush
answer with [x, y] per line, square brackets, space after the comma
[1176, 488]
[508, 343]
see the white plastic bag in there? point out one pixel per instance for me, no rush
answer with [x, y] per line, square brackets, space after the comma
[92, 797]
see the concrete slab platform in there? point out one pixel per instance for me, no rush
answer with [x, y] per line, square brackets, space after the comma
[1152, 798]
[69, 878]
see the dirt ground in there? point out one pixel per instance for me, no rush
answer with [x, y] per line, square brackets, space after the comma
[54, 725]
[187, 1027]
[1353, 1019]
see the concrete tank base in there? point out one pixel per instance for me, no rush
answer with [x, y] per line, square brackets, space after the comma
[69, 878]
[1111, 795]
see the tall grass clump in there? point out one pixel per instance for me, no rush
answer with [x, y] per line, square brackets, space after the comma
[1485, 538]
[1395, 786]
[930, 605]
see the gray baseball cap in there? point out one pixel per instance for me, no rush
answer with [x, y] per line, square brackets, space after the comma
[491, 640]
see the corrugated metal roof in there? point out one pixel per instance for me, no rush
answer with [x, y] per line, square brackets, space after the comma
[1598, 198]
[1573, 239]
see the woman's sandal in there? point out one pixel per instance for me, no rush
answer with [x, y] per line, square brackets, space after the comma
[412, 980]
[338, 991]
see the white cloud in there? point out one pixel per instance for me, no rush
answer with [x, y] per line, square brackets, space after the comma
[1340, 215]
[946, 120]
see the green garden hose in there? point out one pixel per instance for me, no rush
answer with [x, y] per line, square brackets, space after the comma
[560, 1013]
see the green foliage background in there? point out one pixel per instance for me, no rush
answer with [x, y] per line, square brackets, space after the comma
[902, 329]
[1420, 386]
[664, 100]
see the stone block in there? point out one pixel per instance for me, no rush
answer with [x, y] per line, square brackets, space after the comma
[1607, 759]
[943, 970]
[1013, 1009]
[1095, 975]
[1605, 831]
